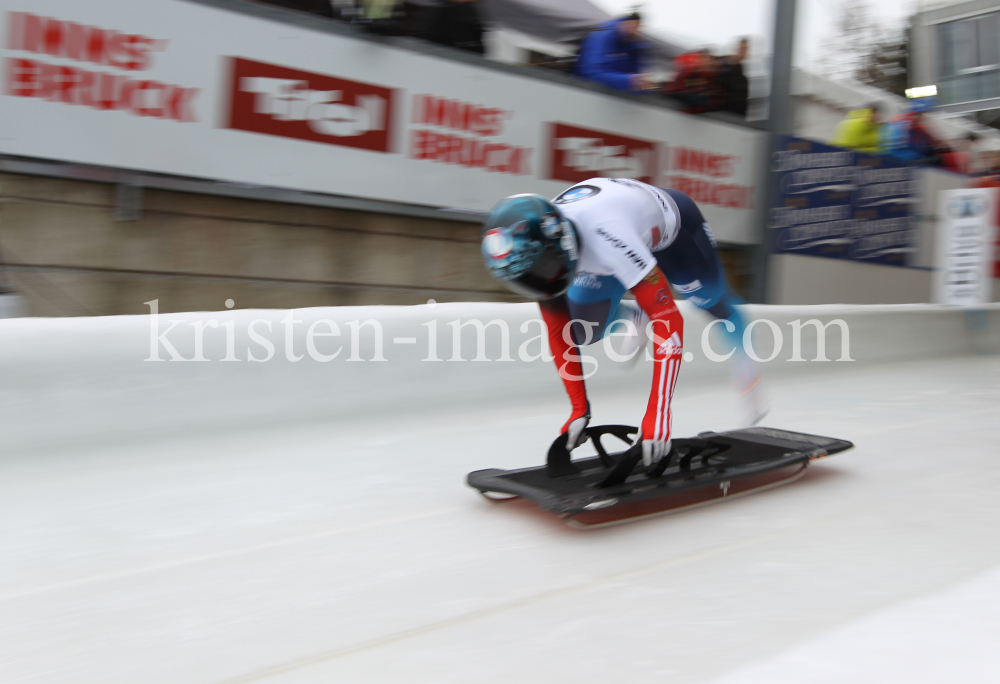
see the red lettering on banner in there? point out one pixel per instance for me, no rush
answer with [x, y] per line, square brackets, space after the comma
[46, 35]
[455, 149]
[177, 103]
[462, 150]
[710, 190]
[275, 100]
[70, 85]
[73, 85]
[703, 163]
[460, 116]
[20, 77]
[580, 153]
[730, 196]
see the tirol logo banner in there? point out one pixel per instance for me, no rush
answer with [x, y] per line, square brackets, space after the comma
[275, 100]
[579, 153]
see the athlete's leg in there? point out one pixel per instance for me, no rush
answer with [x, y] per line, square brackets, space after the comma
[691, 262]
[745, 371]
[733, 325]
[692, 265]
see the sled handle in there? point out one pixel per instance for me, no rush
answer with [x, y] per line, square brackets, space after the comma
[559, 462]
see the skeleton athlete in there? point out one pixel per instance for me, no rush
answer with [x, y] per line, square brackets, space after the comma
[581, 252]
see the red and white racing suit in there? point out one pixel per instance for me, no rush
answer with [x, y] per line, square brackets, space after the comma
[619, 223]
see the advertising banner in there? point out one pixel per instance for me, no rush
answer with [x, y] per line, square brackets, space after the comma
[185, 88]
[841, 204]
[964, 255]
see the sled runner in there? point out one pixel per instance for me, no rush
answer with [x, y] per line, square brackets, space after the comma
[614, 487]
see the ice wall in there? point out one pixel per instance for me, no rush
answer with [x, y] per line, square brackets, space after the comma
[70, 380]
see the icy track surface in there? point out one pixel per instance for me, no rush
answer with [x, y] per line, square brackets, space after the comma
[327, 551]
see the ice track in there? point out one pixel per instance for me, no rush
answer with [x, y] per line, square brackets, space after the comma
[347, 549]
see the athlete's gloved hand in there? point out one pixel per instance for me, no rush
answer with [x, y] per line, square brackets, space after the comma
[654, 450]
[576, 430]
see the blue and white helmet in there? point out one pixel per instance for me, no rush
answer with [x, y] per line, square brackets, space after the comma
[530, 247]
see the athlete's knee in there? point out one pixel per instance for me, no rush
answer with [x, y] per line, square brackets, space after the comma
[726, 305]
[722, 309]
[586, 331]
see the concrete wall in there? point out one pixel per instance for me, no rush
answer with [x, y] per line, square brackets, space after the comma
[795, 279]
[62, 248]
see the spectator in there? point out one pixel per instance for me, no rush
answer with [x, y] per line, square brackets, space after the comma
[695, 83]
[968, 149]
[908, 138]
[455, 23]
[613, 55]
[383, 17]
[733, 82]
[859, 131]
[703, 82]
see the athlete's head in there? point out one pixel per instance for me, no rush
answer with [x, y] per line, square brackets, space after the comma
[530, 247]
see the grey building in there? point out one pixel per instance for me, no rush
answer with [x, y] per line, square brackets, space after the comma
[957, 48]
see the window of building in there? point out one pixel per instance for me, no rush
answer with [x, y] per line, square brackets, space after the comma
[970, 59]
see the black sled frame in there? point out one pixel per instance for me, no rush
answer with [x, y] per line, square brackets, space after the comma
[610, 488]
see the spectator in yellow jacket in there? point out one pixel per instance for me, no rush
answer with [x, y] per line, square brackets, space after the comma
[859, 130]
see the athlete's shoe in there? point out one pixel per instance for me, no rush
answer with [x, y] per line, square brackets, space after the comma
[747, 381]
[632, 345]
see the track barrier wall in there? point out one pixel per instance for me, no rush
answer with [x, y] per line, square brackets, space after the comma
[51, 367]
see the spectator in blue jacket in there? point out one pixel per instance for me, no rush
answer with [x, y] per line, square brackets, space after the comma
[613, 55]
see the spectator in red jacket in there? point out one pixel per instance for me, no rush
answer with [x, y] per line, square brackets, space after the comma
[696, 82]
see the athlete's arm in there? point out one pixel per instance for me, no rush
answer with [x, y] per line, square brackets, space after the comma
[555, 313]
[667, 332]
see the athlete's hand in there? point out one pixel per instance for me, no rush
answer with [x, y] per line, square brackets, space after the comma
[576, 431]
[654, 450]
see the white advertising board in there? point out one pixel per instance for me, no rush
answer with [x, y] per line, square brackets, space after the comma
[964, 254]
[183, 88]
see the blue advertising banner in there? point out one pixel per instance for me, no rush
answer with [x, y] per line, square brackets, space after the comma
[842, 204]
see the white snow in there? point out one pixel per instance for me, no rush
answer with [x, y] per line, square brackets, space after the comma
[220, 522]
